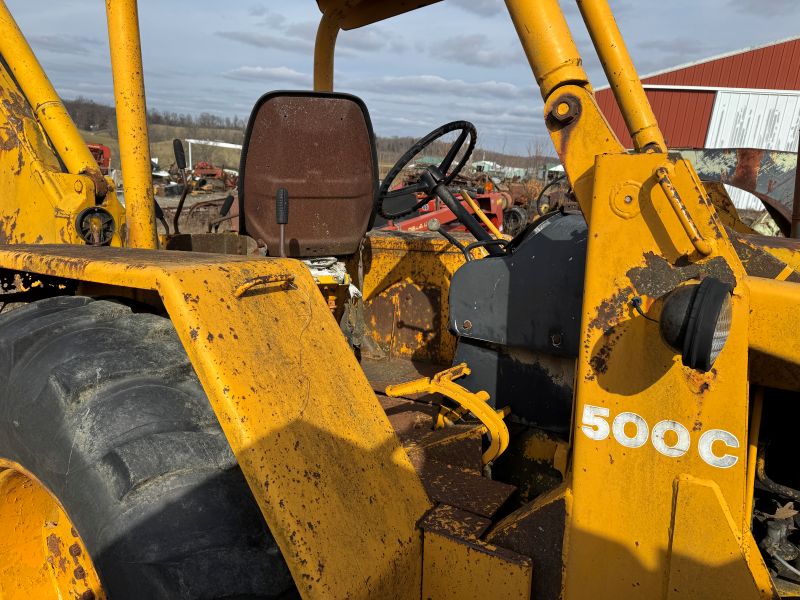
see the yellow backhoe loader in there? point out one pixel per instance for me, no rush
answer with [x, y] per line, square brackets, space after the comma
[602, 407]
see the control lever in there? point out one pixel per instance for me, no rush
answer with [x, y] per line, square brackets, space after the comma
[180, 161]
[226, 205]
[282, 216]
[436, 226]
[433, 179]
[160, 216]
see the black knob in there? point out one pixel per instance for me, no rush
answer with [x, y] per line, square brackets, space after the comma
[226, 205]
[180, 157]
[282, 206]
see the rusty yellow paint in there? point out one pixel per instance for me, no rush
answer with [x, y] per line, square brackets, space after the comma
[770, 333]
[134, 145]
[458, 569]
[40, 202]
[707, 556]
[46, 105]
[726, 211]
[41, 554]
[391, 261]
[322, 460]
[624, 366]
[785, 250]
[581, 141]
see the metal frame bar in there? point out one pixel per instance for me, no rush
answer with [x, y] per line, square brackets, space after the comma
[622, 75]
[556, 62]
[134, 143]
[324, 52]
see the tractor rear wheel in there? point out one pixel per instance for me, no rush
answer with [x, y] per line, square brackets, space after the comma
[115, 477]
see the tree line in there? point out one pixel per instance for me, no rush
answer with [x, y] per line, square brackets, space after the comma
[92, 116]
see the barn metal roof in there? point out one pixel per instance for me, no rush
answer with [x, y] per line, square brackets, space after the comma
[686, 97]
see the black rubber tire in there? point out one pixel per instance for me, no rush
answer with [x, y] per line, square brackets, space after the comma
[102, 405]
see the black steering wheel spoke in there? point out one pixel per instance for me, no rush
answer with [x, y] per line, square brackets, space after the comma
[414, 188]
[445, 165]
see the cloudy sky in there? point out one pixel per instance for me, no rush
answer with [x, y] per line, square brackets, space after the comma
[459, 59]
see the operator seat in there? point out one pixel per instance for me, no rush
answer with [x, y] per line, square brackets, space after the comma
[320, 147]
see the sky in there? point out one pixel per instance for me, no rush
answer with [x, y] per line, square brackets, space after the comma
[458, 59]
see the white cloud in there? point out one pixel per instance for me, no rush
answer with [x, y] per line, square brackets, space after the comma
[65, 43]
[266, 40]
[272, 75]
[436, 85]
[475, 50]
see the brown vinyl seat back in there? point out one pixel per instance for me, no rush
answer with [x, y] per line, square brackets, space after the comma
[321, 148]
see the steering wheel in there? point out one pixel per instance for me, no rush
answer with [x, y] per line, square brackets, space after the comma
[466, 128]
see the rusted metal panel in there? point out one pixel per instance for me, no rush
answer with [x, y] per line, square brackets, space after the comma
[395, 262]
[455, 569]
[458, 446]
[464, 489]
[338, 493]
[449, 520]
[358, 14]
[537, 530]
[383, 373]
[768, 175]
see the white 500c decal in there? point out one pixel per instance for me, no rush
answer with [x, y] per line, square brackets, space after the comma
[596, 427]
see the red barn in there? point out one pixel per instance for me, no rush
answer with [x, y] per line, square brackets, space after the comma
[748, 98]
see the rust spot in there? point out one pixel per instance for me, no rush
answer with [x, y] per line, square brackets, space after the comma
[193, 333]
[79, 572]
[75, 550]
[700, 383]
[210, 337]
[54, 545]
[87, 595]
[610, 310]
[658, 276]
[599, 361]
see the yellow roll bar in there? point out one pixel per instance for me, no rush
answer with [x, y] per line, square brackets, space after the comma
[134, 143]
[324, 50]
[46, 104]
